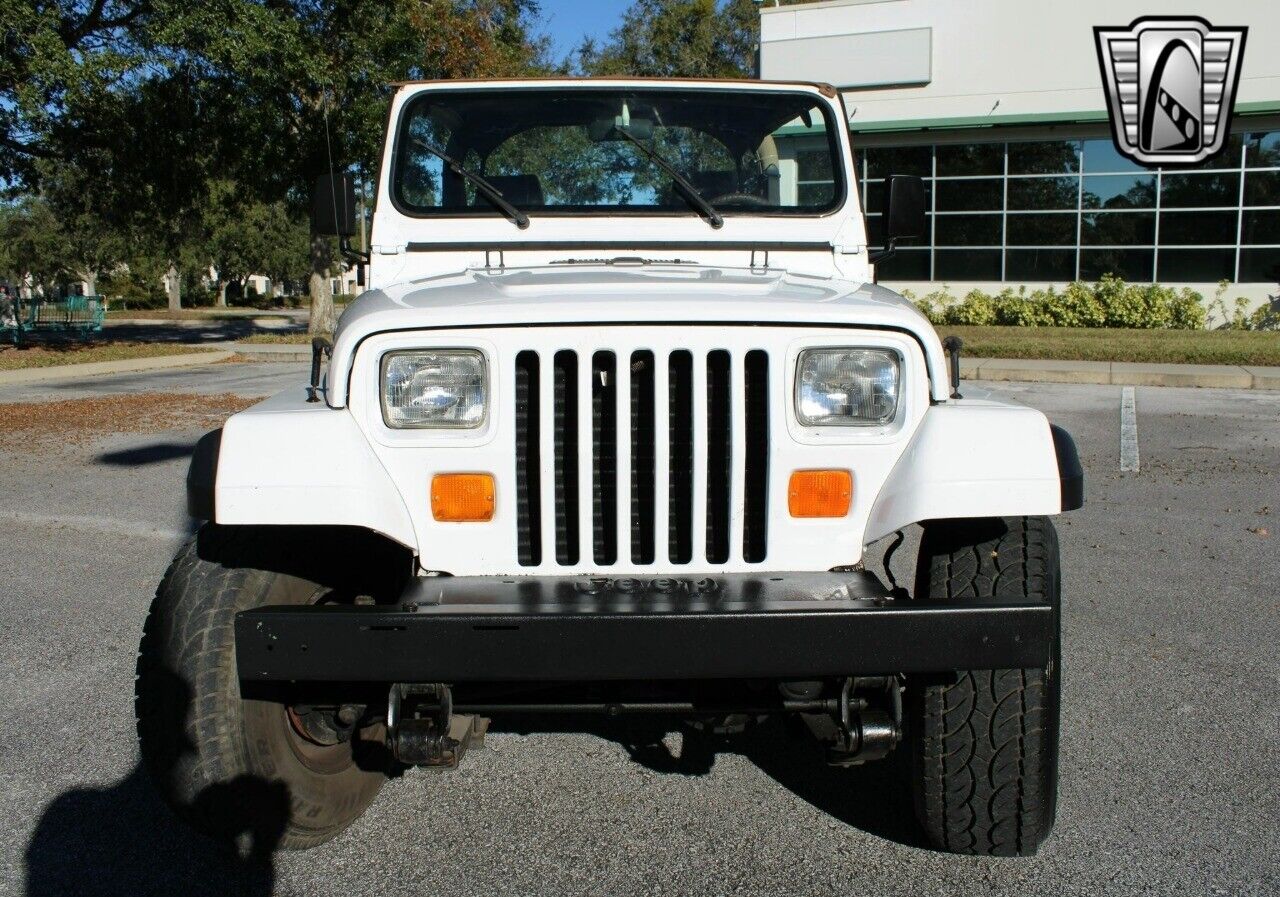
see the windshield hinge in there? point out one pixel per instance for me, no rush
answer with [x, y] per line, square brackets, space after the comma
[848, 248]
[388, 248]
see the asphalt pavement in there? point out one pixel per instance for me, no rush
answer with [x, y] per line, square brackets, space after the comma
[1170, 740]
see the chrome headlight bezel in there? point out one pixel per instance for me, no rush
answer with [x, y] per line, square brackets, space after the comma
[427, 356]
[891, 404]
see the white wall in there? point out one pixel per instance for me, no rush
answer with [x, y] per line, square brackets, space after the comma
[1032, 57]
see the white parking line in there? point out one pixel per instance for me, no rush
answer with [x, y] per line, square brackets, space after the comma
[1128, 432]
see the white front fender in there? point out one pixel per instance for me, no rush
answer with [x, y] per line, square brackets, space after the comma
[974, 459]
[287, 461]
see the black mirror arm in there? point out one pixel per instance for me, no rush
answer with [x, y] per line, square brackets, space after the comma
[356, 256]
[886, 253]
[350, 253]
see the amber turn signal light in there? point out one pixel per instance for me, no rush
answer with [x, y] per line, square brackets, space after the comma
[462, 497]
[820, 493]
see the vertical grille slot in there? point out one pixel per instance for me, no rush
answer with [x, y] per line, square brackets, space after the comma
[642, 458]
[680, 472]
[528, 462]
[719, 455]
[565, 429]
[604, 457]
[755, 532]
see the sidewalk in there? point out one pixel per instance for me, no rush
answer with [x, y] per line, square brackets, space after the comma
[197, 356]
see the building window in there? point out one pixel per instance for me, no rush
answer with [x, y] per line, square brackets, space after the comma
[1057, 210]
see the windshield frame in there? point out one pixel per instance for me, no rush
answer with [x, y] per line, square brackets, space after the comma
[831, 114]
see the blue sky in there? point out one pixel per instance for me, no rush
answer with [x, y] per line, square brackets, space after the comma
[567, 22]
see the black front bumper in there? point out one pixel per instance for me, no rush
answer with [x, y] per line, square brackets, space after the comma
[494, 629]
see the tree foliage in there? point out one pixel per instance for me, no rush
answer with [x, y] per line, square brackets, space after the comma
[189, 128]
[679, 38]
[31, 243]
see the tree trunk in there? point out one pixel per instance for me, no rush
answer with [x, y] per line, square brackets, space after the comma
[173, 286]
[222, 292]
[322, 316]
[90, 279]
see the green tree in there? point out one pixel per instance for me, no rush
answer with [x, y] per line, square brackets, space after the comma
[285, 242]
[34, 246]
[247, 236]
[57, 53]
[679, 38]
[93, 244]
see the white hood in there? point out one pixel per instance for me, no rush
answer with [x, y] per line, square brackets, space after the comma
[584, 294]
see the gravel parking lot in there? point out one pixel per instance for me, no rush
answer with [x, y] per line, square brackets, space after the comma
[1170, 742]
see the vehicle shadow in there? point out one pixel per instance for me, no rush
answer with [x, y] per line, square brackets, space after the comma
[155, 453]
[206, 332]
[874, 798]
[124, 840]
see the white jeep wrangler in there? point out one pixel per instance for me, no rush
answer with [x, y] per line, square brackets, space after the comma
[610, 433]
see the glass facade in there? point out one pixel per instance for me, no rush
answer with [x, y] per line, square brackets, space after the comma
[1061, 210]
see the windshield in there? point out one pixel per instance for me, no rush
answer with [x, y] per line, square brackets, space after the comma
[584, 151]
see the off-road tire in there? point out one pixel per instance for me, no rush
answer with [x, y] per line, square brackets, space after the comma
[235, 768]
[985, 742]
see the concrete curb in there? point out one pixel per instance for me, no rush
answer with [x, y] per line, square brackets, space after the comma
[1121, 373]
[273, 351]
[99, 368]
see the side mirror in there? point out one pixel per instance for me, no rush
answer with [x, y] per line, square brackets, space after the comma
[904, 211]
[333, 205]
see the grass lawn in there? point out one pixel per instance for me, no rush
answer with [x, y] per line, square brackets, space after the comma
[1098, 344]
[42, 355]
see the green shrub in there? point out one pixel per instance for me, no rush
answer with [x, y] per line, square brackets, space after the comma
[977, 308]
[1020, 310]
[1109, 303]
[1079, 306]
[1186, 310]
[1124, 305]
[1265, 317]
[1217, 317]
[933, 305]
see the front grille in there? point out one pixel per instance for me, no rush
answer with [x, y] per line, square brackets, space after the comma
[652, 456]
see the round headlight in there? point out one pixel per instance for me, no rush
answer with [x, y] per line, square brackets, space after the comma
[847, 387]
[435, 388]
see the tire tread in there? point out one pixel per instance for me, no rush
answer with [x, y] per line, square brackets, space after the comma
[985, 744]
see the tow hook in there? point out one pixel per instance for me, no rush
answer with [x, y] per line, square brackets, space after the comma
[423, 730]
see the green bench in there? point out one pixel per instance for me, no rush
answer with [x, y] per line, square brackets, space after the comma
[81, 315]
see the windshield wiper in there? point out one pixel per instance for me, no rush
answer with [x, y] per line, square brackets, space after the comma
[687, 190]
[493, 194]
